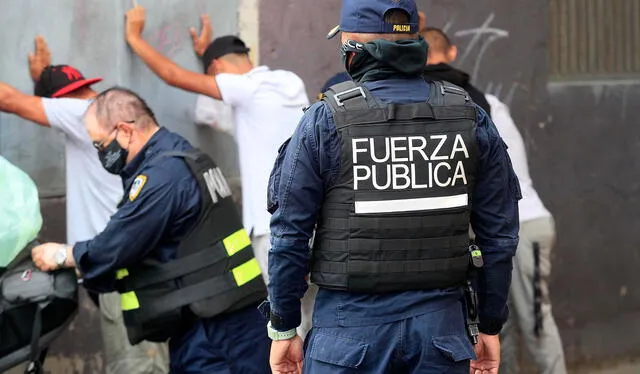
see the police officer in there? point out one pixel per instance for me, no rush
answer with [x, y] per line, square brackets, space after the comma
[175, 249]
[390, 171]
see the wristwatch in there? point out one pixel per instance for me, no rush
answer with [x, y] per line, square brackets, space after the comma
[279, 335]
[61, 256]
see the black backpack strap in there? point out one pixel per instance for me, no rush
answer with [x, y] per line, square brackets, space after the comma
[348, 95]
[447, 94]
[36, 357]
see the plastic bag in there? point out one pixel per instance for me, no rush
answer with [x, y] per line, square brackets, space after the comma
[214, 113]
[20, 219]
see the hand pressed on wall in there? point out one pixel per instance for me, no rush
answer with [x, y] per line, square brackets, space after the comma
[39, 59]
[202, 41]
[134, 22]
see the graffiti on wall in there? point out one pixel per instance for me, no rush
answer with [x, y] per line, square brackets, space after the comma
[479, 40]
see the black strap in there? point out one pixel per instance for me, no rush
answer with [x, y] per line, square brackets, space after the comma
[408, 248]
[178, 267]
[348, 96]
[385, 267]
[35, 362]
[537, 291]
[187, 295]
[447, 94]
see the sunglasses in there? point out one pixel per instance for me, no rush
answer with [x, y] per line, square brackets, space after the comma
[100, 145]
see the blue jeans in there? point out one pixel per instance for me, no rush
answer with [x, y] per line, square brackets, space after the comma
[431, 343]
[236, 343]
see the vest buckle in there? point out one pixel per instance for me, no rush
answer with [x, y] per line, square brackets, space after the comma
[348, 94]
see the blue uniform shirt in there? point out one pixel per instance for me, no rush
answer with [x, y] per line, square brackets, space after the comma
[309, 164]
[151, 220]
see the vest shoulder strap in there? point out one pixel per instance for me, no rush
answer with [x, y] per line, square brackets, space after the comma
[196, 160]
[447, 94]
[190, 154]
[347, 96]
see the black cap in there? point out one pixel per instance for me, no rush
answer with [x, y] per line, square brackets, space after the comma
[59, 80]
[223, 46]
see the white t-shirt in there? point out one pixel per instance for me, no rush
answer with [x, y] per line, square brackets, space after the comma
[531, 207]
[267, 106]
[92, 193]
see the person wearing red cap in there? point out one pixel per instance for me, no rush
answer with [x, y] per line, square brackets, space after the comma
[61, 97]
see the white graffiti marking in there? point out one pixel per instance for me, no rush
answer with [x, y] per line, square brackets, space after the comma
[477, 35]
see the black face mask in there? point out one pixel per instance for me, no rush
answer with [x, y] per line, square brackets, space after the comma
[113, 157]
[383, 59]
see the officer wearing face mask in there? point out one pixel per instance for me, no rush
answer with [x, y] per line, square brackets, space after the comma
[61, 96]
[175, 249]
[389, 171]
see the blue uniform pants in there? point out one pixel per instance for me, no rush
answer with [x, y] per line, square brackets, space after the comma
[236, 343]
[431, 343]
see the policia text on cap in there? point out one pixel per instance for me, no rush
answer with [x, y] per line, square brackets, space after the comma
[390, 171]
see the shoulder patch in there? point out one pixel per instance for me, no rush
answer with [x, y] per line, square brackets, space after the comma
[136, 187]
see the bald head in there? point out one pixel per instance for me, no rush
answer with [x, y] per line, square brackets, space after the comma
[441, 50]
[422, 21]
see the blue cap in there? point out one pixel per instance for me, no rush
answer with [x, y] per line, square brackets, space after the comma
[367, 17]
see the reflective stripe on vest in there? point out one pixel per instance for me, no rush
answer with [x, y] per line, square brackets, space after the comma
[242, 274]
[236, 242]
[128, 300]
[248, 271]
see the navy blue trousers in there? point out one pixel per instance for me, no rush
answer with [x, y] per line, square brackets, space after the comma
[432, 343]
[230, 344]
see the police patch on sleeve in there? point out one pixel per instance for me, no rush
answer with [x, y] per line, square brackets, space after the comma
[136, 187]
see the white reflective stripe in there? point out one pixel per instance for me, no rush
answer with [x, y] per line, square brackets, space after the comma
[411, 205]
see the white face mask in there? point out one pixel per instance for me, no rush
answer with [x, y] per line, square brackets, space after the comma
[214, 113]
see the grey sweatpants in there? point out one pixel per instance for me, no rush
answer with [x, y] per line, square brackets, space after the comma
[121, 357]
[546, 349]
[261, 246]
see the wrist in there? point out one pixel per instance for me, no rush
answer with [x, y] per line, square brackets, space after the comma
[276, 335]
[70, 261]
[133, 38]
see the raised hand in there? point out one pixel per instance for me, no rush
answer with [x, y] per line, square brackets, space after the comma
[134, 24]
[202, 41]
[39, 59]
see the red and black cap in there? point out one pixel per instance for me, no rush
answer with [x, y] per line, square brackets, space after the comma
[59, 80]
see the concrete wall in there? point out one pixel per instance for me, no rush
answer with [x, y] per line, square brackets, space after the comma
[89, 35]
[582, 142]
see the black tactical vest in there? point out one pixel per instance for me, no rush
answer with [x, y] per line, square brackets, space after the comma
[215, 271]
[397, 218]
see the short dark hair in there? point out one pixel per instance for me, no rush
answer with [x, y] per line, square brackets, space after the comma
[397, 16]
[437, 39]
[119, 104]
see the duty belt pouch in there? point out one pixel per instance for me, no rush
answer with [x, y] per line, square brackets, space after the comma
[35, 307]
